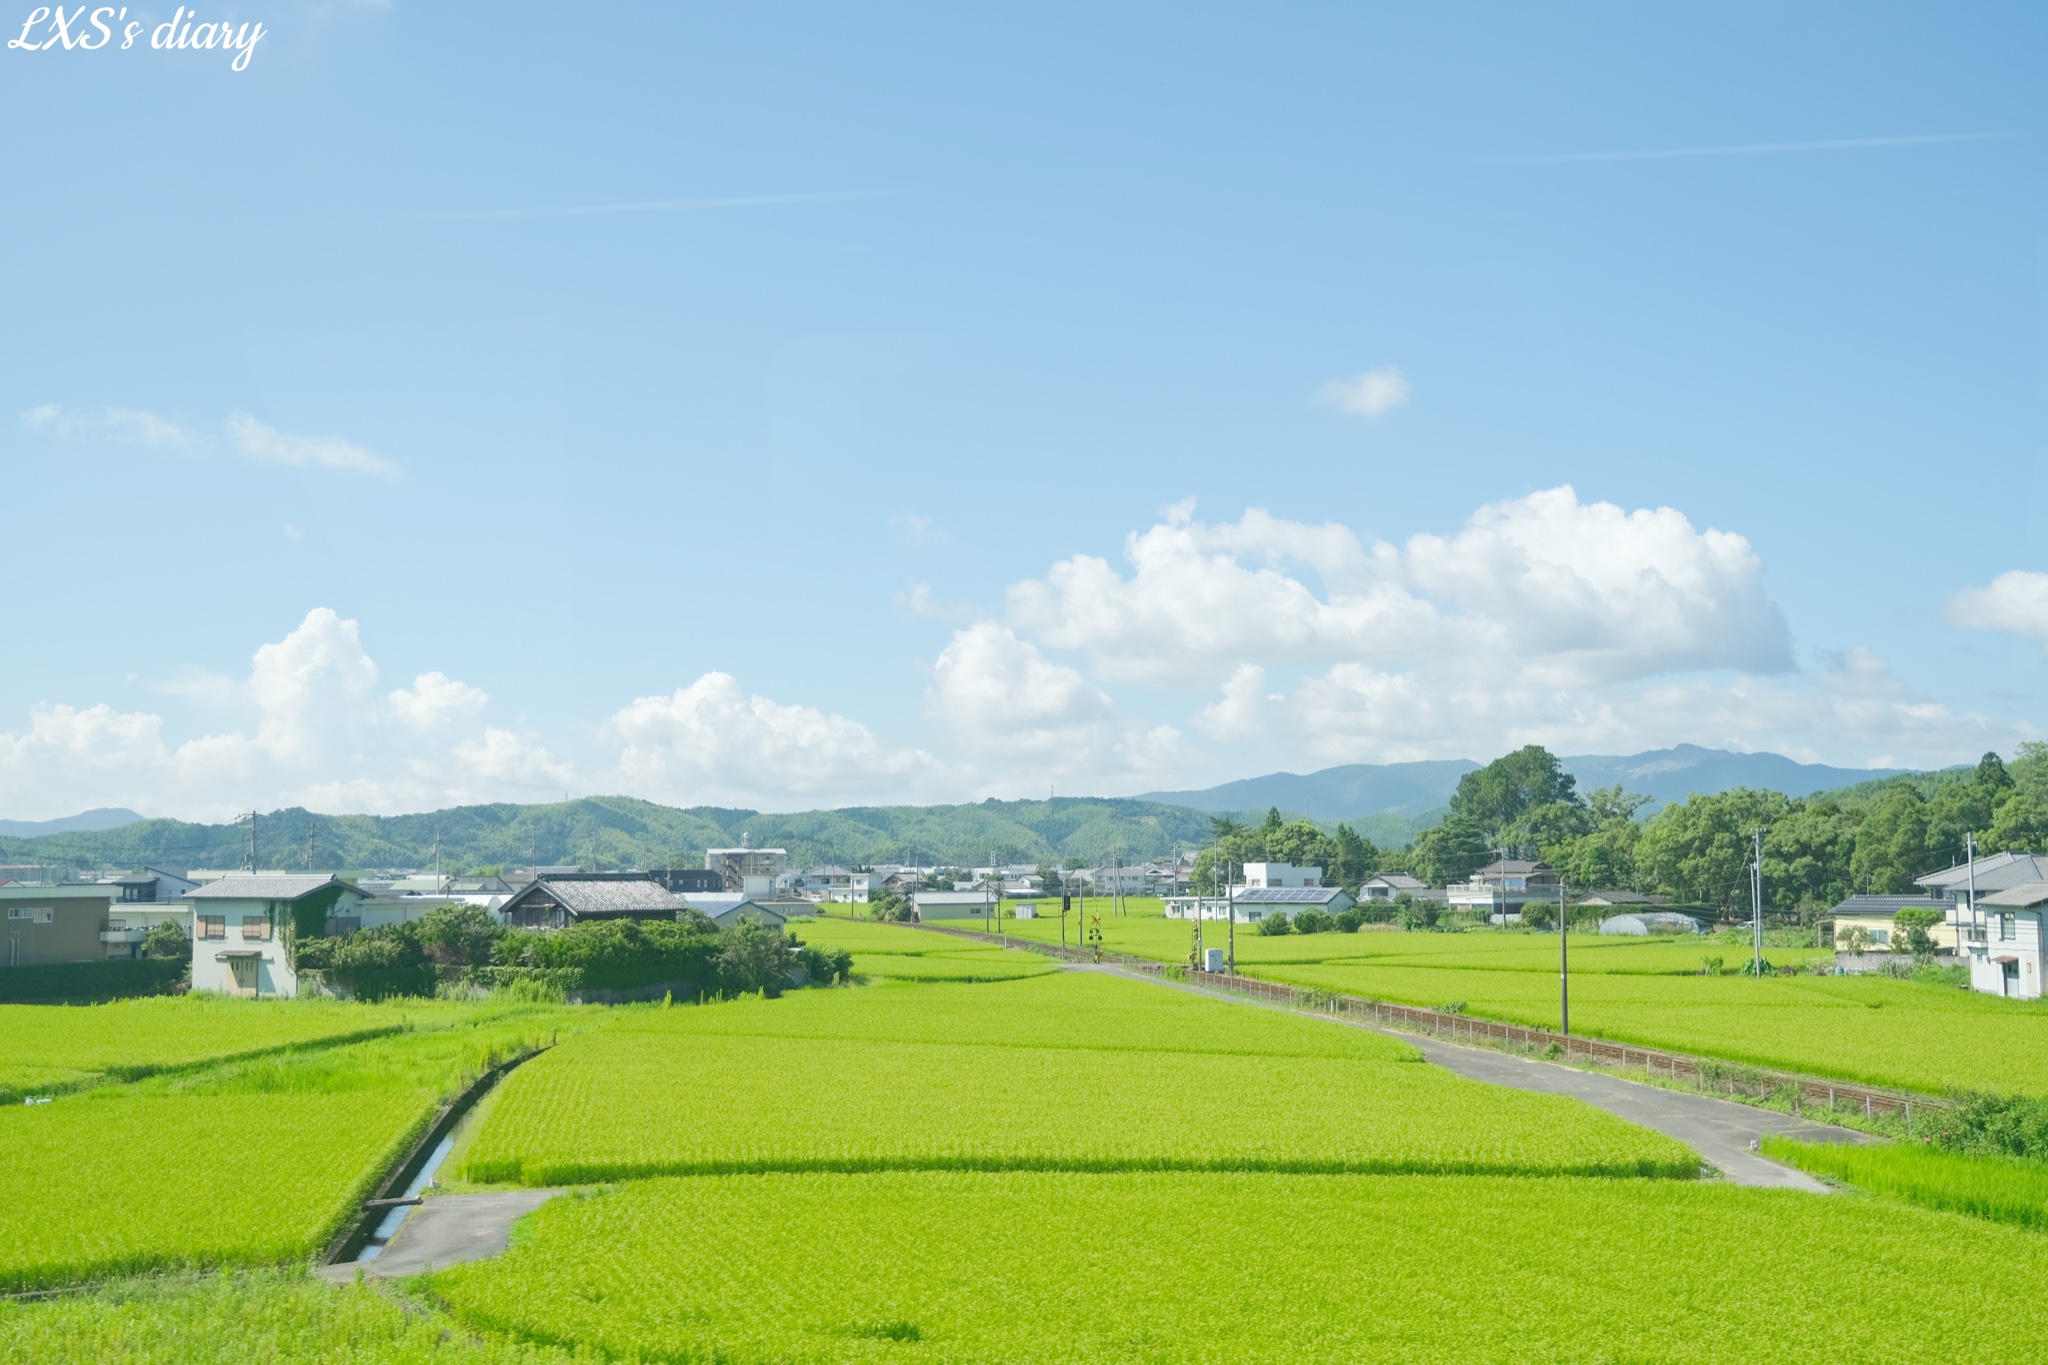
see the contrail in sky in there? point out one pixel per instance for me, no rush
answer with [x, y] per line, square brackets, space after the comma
[600, 210]
[1749, 149]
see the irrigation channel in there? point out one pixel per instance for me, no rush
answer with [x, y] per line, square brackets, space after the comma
[385, 1242]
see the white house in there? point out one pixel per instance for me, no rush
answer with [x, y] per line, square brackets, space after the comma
[951, 904]
[1389, 885]
[243, 924]
[1272, 876]
[1254, 903]
[2008, 959]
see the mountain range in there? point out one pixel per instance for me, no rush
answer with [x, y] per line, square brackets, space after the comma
[1412, 792]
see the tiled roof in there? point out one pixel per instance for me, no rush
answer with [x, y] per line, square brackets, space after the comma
[592, 896]
[1884, 905]
[238, 888]
[2025, 894]
[1995, 873]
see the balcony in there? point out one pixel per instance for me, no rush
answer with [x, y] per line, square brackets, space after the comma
[123, 935]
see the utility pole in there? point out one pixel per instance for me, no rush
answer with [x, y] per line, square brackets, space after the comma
[1230, 908]
[250, 863]
[1970, 852]
[1564, 961]
[1756, 905]
[533, 859]
[438, 884]
[309, 848]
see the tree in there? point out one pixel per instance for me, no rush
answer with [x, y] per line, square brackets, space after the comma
[2022, 823]
[166, 940]
[1698, 850]
[1357, 860]
[1301, 844]
[458, 935]
[1891, 843]
[1604, 855]
[753, 957]
[1451, 852]
[1547, 826]
[1495, 796]
[1912, 924]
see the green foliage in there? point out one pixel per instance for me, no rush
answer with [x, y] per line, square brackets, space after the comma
[1300, 843]
[1073, 1071]
[1495, 797]
[1275, 925]
[80, 983]
[166, 941]
[1083, 1269]
[1994, 1187]
[1314, 921]
[1985, 1124]
[1451, 852]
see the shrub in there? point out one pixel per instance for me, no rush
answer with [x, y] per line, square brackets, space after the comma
[167, 941]
[80, 983]
[1275, 924]
[1314, 921]
[1350, 920]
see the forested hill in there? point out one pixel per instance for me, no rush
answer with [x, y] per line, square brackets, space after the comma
[621, 831]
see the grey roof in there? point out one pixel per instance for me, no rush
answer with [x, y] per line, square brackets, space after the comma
[1397, 880]
[1511, 867]
[1994, 873]
[604, 896]
[2019, 897]
[240, 888]
[1288, 895]
[1885, 905]
[1618, 898]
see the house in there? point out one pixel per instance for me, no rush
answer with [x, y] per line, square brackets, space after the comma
[685, 881]
[1965, 893]
[2010, 961]
[1202, 907]
[1645, 922]
[1272, 876]
[148, 898]
[558, 902]
[1390, 885]
[243, 925]
[725, 911]
[54, 923]
[1502, 888]
[1874, 915]
[1254, 903]
[834, 885]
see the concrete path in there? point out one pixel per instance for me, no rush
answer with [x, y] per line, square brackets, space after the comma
[446, 1230]
[1721, 1131]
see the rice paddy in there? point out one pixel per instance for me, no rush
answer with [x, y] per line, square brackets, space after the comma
[2003, 1189]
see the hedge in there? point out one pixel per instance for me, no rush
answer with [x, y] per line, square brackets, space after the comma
[83, 983]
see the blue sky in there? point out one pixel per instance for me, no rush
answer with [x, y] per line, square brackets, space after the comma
[788, 405]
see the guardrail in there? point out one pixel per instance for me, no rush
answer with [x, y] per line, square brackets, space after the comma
[1708, 1073]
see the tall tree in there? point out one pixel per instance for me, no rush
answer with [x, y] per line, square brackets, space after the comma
[1451, 852]
[1493, 797]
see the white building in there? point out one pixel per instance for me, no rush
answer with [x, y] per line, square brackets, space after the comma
[1274, 876]
[746, 870]
[934, 905]
[1390, 885]
[243, 924]
[2006, 953]
[1255, 903]
[145, 900]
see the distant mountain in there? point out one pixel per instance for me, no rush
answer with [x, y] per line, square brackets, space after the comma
[103, 817]
[610, 832]
[1413, 792]
[1667, 775]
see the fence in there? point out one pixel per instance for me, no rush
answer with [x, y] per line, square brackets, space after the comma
[1705, 1072]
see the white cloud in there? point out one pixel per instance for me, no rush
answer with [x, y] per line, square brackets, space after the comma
[1002, 699]
[711, 742]
[124, 425]
[1371, 394]
[435, 700]
[2016, 601]
[267, 445]
[316, 733]
[1571, 591]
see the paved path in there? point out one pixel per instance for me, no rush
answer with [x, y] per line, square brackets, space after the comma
[1721, 1131]
[446, 1230]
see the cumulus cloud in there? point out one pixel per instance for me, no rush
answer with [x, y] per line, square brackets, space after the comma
[316, 733]
[1572, 592]
[2016, 601]
[713, 742]
[1368, 395]
[267, 445]
[1001, 698]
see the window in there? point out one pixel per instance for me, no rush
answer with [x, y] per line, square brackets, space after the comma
[1880, 936]
[213, 926]
[255, 927]
[2005, 927]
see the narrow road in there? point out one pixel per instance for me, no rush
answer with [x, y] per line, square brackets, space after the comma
[447, 1229]
[1721, 1131]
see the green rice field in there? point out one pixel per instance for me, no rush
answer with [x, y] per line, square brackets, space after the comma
[256, 1162]
[1873, 1030]
[1245, 1267]
[2003, 1189]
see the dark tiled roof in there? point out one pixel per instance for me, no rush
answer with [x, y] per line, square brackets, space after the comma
[608, 896]
[1885, 905]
